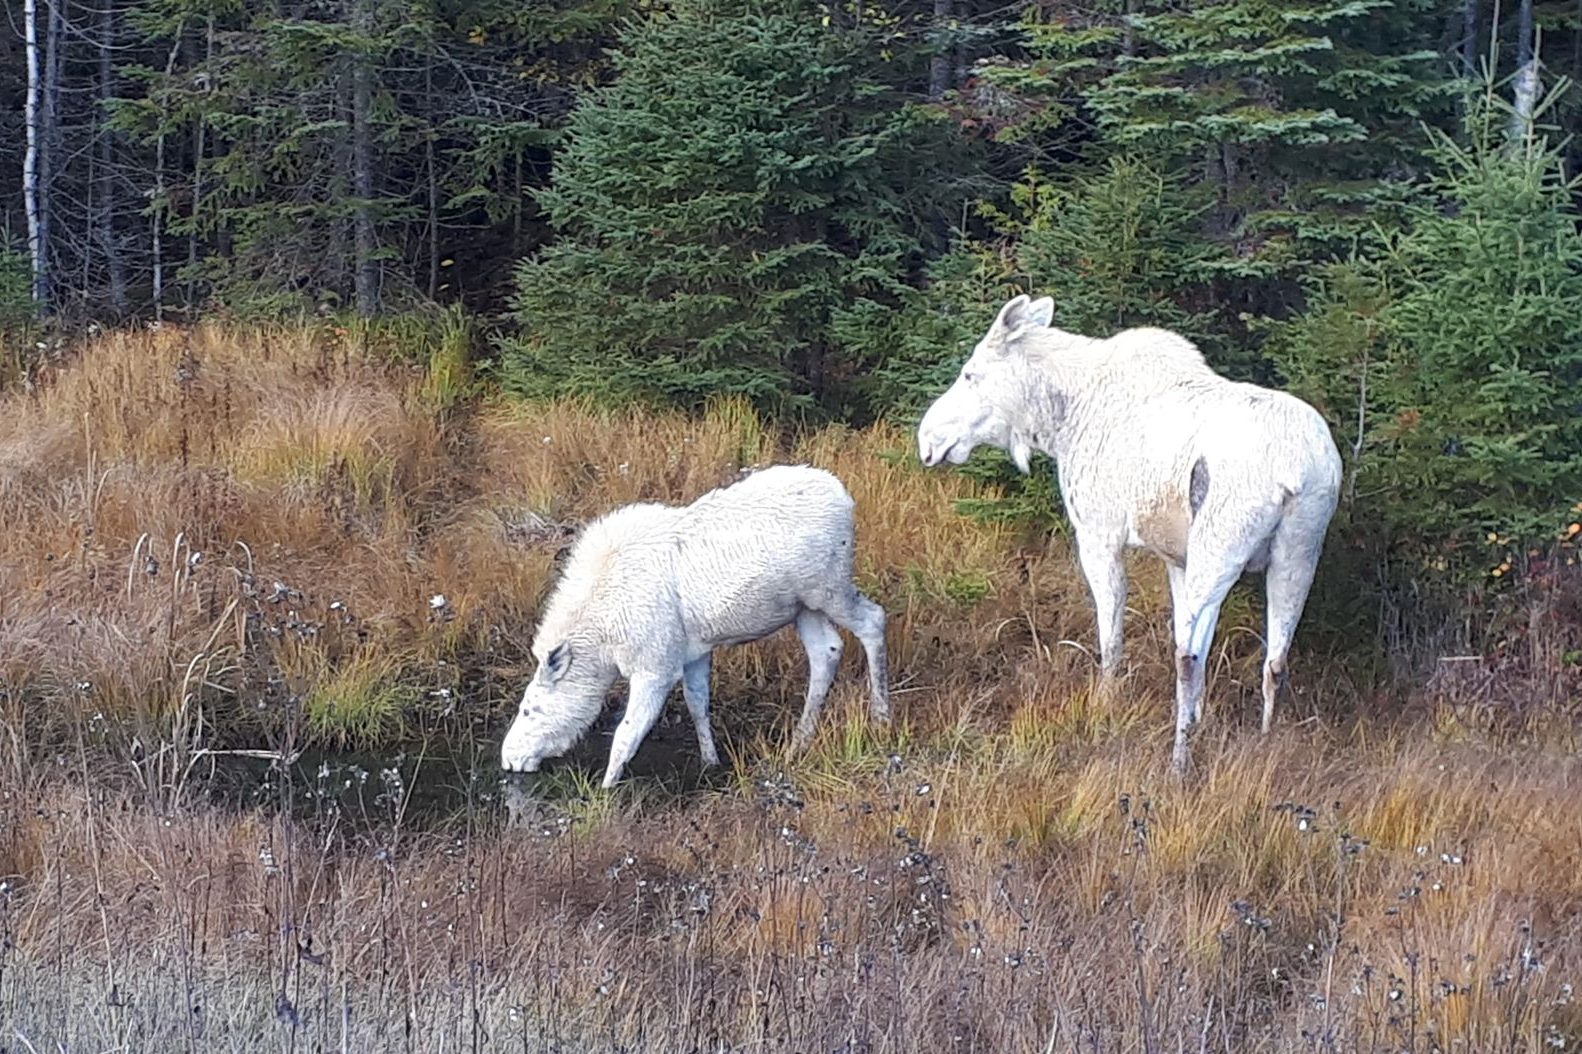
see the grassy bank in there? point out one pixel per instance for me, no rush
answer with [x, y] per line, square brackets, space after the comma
[274, 540]
[286, 507]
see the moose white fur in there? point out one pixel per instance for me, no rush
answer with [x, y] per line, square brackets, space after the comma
[1154, 450]
[649, 591]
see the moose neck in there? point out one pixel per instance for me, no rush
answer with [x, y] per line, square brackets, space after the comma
[1060, 409]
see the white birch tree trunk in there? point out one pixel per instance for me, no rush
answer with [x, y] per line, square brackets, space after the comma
[160, 203]
[1527, 85]
[38, 250]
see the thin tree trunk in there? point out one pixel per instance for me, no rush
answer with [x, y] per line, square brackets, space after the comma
[51, 124]
[362, 165]
[517, 205]
[337, 265]
[1527, 86]
[157, 213]
[963, 51]
[963, 61]
[1576, 42]
[106, 212]
[47, 109]
[433, 182]
[1128, 32]
[1214, 175]
[38, 250]
[939, 64]
[199, 170]
[1469, 38]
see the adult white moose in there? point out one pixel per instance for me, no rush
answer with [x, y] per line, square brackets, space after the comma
[1154, 450]
[649, 591]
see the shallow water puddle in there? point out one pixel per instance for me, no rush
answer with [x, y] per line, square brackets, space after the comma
[444, 781]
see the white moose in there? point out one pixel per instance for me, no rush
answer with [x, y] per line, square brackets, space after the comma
[649, 591]
[1154, 450]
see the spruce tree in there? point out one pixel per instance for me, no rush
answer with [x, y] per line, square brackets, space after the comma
[1115, 247]
[1302, 116]
[751, 176]
[1449, 361]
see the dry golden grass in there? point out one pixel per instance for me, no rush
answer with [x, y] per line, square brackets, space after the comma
[214, 540]
[166, 474]
[912, 910]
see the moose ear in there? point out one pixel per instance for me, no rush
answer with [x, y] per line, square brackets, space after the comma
[1010, 315]
[556, 663]
[1019, 315]
[1040, 312]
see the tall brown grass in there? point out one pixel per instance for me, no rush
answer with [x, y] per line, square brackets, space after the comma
[217, 540]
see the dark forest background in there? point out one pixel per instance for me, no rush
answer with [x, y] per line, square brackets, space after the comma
[819, 206]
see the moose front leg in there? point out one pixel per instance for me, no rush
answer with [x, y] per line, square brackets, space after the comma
[644, 701]
[1105, 572]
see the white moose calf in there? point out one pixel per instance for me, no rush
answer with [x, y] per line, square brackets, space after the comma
[649, 591]
[1154, 450]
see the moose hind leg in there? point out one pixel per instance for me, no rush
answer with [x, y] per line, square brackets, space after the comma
[1207, 580]
[1293, 560]
[865, 620]
[822, 642]
[1180, 616]
[695, 687]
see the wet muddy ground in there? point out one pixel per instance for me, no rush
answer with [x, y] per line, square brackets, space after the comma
[450, 777]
